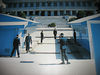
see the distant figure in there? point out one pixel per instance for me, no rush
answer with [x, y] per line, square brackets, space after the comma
[16, 44]
[55, 33]
[63, 49]
[42, 36]
[74, 34]
[28, 40]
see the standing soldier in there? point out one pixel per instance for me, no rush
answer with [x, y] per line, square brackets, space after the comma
[16, 44]
[55, 33]
[28, 40]
[42, 36]
[63, 49]
[74, 34]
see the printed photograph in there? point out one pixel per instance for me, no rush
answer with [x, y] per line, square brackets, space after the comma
[49, 37]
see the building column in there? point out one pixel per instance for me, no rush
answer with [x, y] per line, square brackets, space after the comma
[23, 4]
[71, 12]
[29, 4]
[58, 13]
[75, 4]
[69, 3]
[33, 12]
[58, 4]
[64, 12]
[46, 4]
[27, 13]
[76, 11]
[17, 5]
[52, 13]
[40, 4]
[39, 13]
[34, 4]
[81, 3]
[52, 4]
[64, 4]
[16, 13]
[46, 13]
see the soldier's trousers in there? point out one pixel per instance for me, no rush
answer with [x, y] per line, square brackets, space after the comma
[63, 56]
[17, 49]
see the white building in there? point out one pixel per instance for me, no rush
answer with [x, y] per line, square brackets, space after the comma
[49, 7]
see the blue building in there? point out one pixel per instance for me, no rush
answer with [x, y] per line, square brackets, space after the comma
[88, 35]
[10, 26]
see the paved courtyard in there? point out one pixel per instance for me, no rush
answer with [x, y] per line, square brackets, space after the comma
[44, 59]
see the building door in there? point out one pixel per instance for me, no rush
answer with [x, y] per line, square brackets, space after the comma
[37, 13]
[61, 13]
[49, 13]
[55, 13]
[42, 13]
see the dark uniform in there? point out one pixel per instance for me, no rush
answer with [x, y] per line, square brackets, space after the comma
[42, 36]
[28, 40]
[74, 34]
[63, 50]
[16, 44]
[55, 33]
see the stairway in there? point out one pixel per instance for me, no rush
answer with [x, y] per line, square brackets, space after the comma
[45, 20]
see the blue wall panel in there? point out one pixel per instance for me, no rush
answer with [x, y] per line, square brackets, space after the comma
[95, 28]
[6, 41]
[82, 35]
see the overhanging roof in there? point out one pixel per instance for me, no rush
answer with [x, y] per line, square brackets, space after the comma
[10, 20]
[80, 21]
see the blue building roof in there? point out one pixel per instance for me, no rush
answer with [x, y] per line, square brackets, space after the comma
[9, 18]
[83, 21]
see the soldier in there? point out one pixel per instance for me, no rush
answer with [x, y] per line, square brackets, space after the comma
[63, 49]
[42, 36]
[55, 33]
[28, 40]
[74, 34]
[16, 44]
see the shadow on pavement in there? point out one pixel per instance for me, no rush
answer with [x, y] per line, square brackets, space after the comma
[77, 50]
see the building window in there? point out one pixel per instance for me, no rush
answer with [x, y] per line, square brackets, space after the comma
[61, 3]
[89, 3]
[78, 3]
[9, 5]
[61, 13]
[73, 12]
[14, 5]
[20, 4]
[37, 4]
[49, 3]
[84, 4]
[67, 3]
[31, 4]
[25, 12]
[26, 4]
[30, 13]
[67, 12]
[55, 3]
[43, 4]
[72, 3]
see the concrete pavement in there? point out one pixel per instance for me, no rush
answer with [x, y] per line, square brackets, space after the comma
[44, 59]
